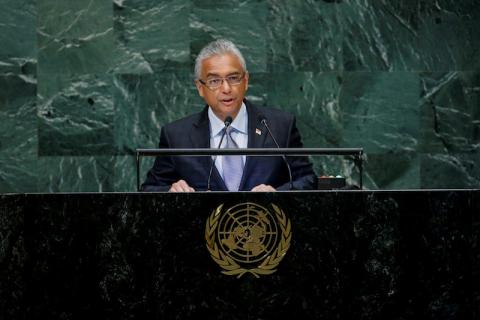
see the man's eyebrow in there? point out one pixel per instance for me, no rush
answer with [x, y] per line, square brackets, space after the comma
[217, 75]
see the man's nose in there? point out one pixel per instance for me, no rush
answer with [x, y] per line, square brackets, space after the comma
[226, 87]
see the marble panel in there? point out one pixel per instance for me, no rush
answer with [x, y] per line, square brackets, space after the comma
[76, 174]
[144, 103]
[410, 35]
[305, 35]
[18, 133]
[75, 115]
[260, 87]
[380, 35]
[392, 171]
[125, 172]
[18, 31]
[313, 97]
[448, 35]
[18, 175]
[455, 170]
[243, 22]
[380, 111]
[151, 36]
[450, 115]
[75, 37]
[19, 66]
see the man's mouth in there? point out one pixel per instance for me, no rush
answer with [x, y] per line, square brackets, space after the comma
[227, 101]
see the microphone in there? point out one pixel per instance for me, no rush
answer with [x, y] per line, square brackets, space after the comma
[263, 120]
[228, 121]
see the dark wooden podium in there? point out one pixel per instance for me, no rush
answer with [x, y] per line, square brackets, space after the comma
[352, 255]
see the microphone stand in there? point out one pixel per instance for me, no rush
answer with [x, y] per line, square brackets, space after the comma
[264, 122]
[228, 122]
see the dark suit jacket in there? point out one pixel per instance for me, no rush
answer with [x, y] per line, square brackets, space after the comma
[194, 132]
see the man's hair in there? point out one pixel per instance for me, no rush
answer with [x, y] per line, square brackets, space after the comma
[217, 47]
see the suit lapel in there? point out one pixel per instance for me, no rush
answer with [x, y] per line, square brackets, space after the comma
[256, 139]
[200, 133]
[200, 137]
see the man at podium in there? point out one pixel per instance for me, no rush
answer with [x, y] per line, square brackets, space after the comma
[229, 121]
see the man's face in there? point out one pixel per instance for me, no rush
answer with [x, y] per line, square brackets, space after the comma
[225, 100]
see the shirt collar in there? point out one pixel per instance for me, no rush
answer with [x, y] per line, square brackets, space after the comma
[239, 123]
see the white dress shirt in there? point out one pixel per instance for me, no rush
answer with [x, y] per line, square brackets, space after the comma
[240, 134]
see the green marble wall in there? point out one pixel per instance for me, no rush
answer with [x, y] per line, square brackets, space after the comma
[84, 83]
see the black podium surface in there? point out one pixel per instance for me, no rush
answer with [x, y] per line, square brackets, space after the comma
[352, 255]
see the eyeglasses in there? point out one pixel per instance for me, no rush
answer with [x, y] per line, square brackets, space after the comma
[215, 83]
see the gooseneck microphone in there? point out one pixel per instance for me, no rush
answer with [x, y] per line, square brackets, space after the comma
[228, 121]
[263, 120]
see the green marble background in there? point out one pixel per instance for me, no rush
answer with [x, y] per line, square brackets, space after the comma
[84, 83]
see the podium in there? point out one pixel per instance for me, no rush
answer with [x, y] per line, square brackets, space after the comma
[351, 255]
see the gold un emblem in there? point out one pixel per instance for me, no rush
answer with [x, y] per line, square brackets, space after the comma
[248, 238]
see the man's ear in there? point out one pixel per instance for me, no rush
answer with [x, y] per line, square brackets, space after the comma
[199, 88]
[246, 80]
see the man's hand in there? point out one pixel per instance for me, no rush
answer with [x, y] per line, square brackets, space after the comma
[181, 186]
[263, 188]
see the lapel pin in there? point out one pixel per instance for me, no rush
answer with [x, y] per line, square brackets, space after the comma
[258, 131]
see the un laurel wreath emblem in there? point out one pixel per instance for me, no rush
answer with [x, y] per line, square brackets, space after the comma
[248, 238]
